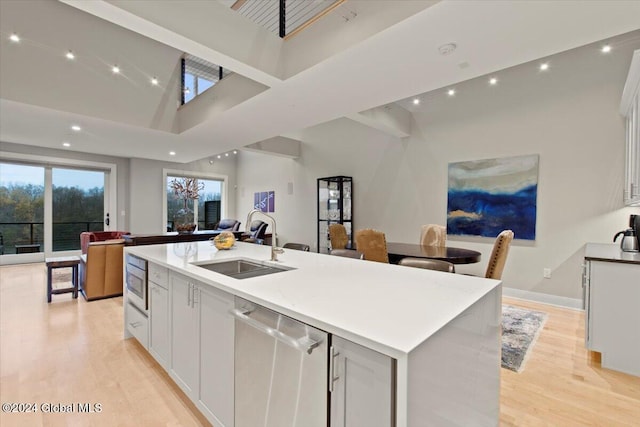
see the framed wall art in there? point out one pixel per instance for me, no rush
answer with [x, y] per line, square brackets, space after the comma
[265, 201]
[487, 196]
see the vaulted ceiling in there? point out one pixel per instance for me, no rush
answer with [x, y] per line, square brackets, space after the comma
[361, 55]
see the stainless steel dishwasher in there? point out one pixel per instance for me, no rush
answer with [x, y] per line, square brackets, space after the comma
[280, 370]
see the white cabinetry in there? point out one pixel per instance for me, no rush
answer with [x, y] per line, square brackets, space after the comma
[137, 324]
[202, 346]
[159, 326]
[184, 335]
[363, 388]
[630, 108]
[216, 356]
[613, 314]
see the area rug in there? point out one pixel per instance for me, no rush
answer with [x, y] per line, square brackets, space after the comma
[520, 329]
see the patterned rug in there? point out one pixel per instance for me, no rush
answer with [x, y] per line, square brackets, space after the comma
[520, 329]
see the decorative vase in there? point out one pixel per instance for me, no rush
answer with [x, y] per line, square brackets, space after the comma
[183, 219]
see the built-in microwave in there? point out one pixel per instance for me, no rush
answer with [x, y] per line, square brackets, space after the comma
[137, 282]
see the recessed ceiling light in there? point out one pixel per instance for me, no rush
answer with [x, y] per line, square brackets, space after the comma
[115, 69]
[154, 81]
[451, 92]
[66, 144]
[76, 128]
[416, 101]
[172, 153]
[606, 48]
[70, 55]
[235, 151]
[14, 38]
[219, 156]
[544, 66]
[493, 81]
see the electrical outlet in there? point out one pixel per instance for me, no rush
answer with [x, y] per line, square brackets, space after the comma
[546, 273]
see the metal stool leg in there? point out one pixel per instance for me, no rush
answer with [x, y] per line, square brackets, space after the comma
[75, 281]
[49, 283]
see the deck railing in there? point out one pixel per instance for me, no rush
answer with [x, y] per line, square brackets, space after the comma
[23, 237]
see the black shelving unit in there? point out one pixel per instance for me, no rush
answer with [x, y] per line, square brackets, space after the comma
[335, 195]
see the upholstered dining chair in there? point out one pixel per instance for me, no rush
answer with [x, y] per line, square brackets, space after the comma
[297, 246]
[433, 235]
[499, 255]
[347, 253]
[338, 236]
[372, 244]
[430, 264]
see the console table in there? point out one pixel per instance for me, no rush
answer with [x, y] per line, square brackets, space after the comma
[173, 237]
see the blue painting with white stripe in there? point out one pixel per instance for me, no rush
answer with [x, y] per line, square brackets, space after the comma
[488, 196]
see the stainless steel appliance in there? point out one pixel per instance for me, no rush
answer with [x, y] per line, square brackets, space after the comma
[137, 282]
[629, 241]
[281, 370]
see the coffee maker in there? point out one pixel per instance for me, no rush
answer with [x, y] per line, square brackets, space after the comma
[630, 237]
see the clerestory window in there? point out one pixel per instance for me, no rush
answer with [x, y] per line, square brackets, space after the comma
[198, 75]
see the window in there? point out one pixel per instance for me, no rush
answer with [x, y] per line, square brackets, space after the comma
[205, 209]
[198, 75]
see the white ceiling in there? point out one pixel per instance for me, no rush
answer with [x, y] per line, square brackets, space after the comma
[387, 52]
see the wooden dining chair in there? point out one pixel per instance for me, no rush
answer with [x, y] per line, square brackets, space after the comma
[430, 264]
[433, 235]
[499, 255]
[372, 244]
[297, 246]
[338, 236]
[347, 253]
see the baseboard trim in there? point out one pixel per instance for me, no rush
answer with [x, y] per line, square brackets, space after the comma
[566, 302]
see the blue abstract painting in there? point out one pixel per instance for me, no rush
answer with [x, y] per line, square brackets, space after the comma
[488, 196]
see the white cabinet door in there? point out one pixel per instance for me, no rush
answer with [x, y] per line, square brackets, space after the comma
[630, 108]
[363, 389]
[614, 314]
[184, 335]
[159, 345]
[216, 355]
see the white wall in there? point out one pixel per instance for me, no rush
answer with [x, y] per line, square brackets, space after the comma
[146, 189]
[568, 116]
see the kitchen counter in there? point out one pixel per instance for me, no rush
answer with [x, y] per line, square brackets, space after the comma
[439, 333]
[610, 252]
[391, 309]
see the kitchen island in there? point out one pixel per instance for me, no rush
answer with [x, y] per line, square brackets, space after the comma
[440, 331]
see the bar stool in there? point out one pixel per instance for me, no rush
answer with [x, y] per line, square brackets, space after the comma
[62, 262]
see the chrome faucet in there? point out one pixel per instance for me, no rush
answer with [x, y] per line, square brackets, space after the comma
[274, 249]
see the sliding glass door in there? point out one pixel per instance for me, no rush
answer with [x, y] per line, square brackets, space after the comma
[43, 209]
[21, 209]
[78, 205]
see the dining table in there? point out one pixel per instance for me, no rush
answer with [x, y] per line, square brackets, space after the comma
[454, 255]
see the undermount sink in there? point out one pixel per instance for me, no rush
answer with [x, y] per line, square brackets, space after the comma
[241, 268]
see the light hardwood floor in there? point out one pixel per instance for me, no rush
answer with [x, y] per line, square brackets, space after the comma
[71, 351]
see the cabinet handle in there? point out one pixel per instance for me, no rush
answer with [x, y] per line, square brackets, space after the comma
[332, 366]
[135, 324]
[189, 295]
[194, 301]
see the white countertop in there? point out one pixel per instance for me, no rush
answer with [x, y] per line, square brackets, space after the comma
[610, 252]
[389, 308]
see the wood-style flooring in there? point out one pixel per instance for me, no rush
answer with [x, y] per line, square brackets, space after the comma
[71, 352]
